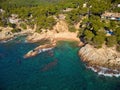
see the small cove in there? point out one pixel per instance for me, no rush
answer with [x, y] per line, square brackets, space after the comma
[61, 71]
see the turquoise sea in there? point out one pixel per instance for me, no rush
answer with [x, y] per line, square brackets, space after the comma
[57, 69]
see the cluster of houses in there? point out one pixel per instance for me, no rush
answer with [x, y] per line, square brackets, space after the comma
[111, 16]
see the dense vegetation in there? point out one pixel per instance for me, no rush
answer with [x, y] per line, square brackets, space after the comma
[92, 30]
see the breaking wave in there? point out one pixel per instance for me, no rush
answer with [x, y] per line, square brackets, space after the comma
[105, 71]
[5, 41]
[44, 50]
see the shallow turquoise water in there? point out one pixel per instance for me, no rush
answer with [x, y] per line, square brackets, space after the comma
[61, 71]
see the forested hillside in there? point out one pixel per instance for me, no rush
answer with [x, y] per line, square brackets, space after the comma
[92, 29]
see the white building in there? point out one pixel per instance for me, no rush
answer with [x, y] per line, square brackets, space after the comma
[118, 5]
[84, 5]
[111, 16]
[2, 11]
[13, 18]
[67, 9]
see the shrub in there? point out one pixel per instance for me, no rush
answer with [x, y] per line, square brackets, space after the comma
[38, 31]
[23, 26]
[111, 41]
[72, 29]
[12, 25]
[88, 36]
[118, 48]
[0, 30]
[15, 30]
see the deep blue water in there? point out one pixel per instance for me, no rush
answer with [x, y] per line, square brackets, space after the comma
[58, 69]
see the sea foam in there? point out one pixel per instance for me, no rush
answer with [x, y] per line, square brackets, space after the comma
[5, 41]
[44, 50]
[105, 71]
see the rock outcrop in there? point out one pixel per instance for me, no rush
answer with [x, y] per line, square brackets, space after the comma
[39, 49]
[105, 57]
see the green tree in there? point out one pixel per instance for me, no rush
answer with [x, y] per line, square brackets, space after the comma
[99, 6]
[98, 41]
[15, 30]
[117, 31]
[117, 34]
[111, 41]
[73, 17]
[88, 36]
[23, 26]
[72, 29]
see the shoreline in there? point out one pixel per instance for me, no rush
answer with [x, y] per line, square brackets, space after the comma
[100, 70]
[105, 61]
[103, 71]
[56, 39]
[64, 35]
[67, 39]
[14, 35]
[60, 38]
[51, 45]
[60, 31]
[51, 35]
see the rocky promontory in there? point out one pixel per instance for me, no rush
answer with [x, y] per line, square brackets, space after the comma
[40, 49]
[104, 57]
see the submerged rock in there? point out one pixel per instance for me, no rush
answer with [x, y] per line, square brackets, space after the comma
[50, 65]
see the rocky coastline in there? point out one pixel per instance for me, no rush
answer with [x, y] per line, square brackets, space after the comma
[93, 57]
[105, 57]
[6, 34]
[59, 32]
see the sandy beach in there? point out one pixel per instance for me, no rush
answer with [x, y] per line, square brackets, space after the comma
[59, 32]
[53, 36]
